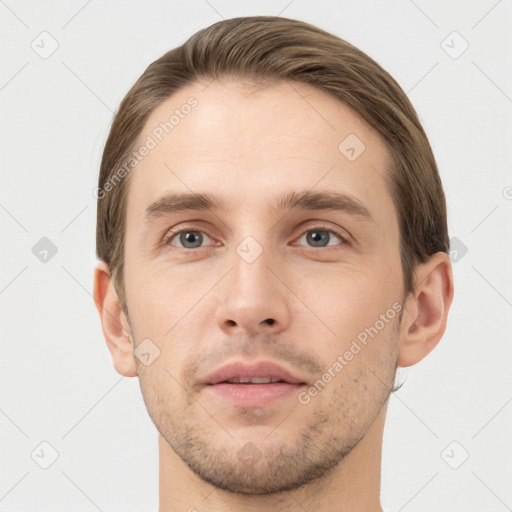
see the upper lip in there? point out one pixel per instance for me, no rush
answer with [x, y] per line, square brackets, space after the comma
[243, 369]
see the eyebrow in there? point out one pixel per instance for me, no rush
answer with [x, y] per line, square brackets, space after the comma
[306, 200]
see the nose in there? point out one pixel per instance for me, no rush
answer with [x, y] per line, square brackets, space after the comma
[253, 298]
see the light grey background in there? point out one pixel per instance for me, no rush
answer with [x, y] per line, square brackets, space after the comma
[57, 381]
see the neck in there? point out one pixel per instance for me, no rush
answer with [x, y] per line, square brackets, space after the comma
[353, 485]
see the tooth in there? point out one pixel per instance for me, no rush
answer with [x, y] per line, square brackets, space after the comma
[250, 380]
[253, 380]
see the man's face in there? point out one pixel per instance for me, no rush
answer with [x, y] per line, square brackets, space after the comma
[251, 282]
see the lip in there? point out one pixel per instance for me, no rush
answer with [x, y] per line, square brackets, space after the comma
[239, 369]
[252, 395]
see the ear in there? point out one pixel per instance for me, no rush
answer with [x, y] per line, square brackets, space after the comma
[114, 323]
[426, 309]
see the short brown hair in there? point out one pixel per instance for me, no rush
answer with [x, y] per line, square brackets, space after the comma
[268, 49]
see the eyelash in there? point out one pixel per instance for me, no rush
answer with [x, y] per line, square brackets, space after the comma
[167, 241]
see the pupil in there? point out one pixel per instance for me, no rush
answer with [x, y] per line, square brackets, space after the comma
[191, 237]
[318, 237]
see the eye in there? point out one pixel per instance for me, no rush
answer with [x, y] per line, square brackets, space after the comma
[320, 237]
[316, 238]
[187, 238]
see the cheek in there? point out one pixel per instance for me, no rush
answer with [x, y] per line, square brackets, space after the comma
[161, 382]
[172, 307]
[156, 298]
[345, 300]
[358, 315]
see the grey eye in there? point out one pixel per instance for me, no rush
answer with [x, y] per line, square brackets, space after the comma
[320, 237]
[189, 239]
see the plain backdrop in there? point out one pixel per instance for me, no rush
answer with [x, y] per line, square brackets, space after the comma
[65, 68]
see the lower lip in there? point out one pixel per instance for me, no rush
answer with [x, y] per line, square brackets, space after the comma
[254, 395]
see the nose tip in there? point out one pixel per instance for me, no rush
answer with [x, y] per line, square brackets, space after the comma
[252, 299]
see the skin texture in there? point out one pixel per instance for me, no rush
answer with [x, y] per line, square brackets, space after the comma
[206, 305]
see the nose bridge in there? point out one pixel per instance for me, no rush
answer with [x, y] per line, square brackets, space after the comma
[252, 249]
[250, 277]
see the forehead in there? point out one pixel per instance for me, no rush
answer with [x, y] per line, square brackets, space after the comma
[246, 141]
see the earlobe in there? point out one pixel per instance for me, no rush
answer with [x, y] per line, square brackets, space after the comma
[426, 310]
[113, 322]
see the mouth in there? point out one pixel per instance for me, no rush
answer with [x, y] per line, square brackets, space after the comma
[253, 385]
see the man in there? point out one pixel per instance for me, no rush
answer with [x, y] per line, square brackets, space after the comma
[273, 243]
